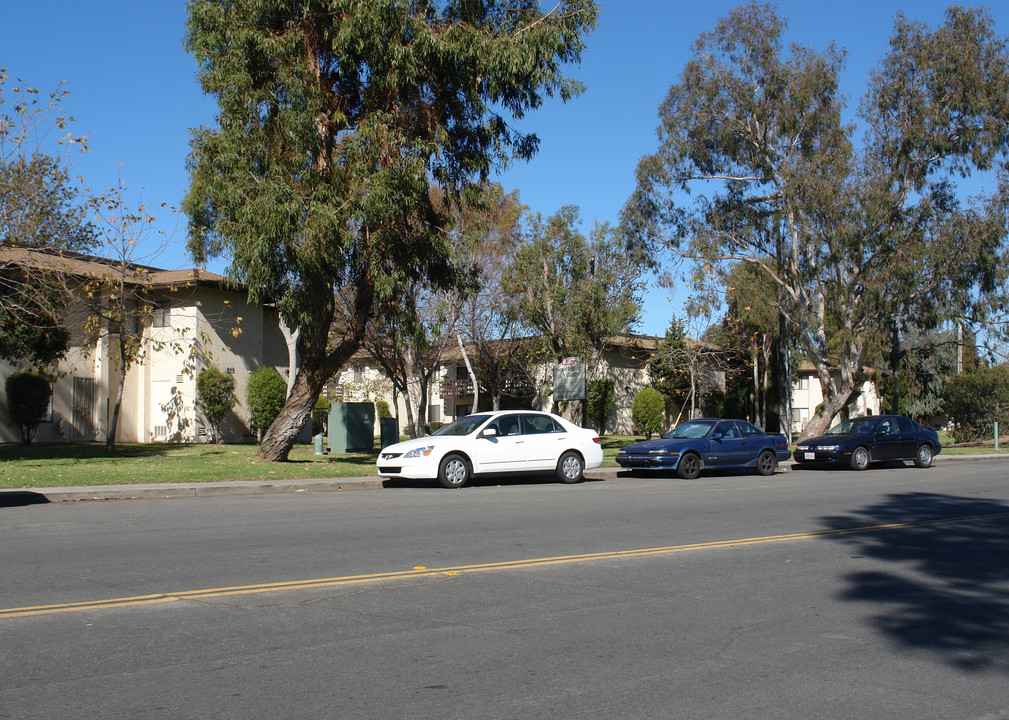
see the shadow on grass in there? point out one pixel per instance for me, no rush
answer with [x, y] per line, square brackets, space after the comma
[21, 498]
[90, 451]
[946, 590]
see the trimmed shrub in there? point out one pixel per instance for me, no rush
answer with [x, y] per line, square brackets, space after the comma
[382, 409]
[266, 394]
[28, 397]
[215, 396]
[648, 411]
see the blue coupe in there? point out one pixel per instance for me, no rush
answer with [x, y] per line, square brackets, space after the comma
[707, 443]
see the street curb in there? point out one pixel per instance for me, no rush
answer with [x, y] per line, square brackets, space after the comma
[239, 488]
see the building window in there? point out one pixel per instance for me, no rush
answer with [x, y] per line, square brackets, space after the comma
[358, 374]
[804, 382]
[434, 413]
[162, 317]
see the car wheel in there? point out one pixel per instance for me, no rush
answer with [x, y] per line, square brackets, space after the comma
[924, 457]
[860, 459]
[454, 472]
[689, 467]
[569, 468]
[766, 463]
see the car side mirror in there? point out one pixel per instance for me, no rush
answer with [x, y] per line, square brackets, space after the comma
[716, 436]
[489, 432]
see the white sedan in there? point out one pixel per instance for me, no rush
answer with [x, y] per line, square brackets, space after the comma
[495, 443]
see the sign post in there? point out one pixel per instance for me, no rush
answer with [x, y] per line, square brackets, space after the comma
[569, 383]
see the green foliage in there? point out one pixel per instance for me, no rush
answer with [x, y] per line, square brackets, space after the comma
[28, 396]
[433, 426]
[670, 368]
[602, 402]
[648, 411]
[40, 342]
[215, 396]
[572, 291]
[334, 120]
[976, 400]
[265, 394]
[382, 409]
[858, 238]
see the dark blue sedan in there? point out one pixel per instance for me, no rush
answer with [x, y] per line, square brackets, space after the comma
[707, 443]
[863, 440]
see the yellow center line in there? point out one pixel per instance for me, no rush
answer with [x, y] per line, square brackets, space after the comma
[209, 593]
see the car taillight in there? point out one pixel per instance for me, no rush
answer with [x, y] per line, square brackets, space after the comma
[597, 441]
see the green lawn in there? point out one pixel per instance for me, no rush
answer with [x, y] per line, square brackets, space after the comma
[69, 465]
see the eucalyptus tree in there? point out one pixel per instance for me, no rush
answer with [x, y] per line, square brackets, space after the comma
[573, 292]
[335, 117]
[859, 235]
[488, 227]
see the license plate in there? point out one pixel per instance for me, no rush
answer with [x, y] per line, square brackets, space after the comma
[810, 456]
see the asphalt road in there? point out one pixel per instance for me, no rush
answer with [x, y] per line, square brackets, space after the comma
[882, 594]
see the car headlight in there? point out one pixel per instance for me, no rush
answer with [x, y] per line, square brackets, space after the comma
[802, 448]
[827, 448]
[663, 452]
[419, 452]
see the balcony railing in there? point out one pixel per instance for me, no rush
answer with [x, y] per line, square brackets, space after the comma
[463, 388]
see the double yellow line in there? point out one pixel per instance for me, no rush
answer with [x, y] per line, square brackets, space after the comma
[422, 572]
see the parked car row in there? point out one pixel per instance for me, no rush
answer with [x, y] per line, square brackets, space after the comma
[514, 442]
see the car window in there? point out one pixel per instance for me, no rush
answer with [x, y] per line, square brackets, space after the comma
[887, 426]
[855, 425]
[906, 425]
[749, 430]
[692, 429]
[728, 430]
[462, 426]
[537, 424]
[506, 425]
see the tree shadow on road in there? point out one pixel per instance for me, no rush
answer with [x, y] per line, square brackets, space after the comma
[948, 590]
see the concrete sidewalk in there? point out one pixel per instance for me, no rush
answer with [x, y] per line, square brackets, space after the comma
[167, 491]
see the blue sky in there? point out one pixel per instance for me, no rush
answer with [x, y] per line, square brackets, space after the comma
[133, 93]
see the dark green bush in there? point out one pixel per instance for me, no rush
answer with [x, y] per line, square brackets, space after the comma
[320, 414]
[215, 396]
[382, 409]
[266, 394]
[601, 402]
[28, 397]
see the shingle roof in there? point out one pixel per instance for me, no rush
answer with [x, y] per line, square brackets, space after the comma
[87, 266]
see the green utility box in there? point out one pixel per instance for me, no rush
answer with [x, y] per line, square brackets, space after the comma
[388, 431]
[351, 427]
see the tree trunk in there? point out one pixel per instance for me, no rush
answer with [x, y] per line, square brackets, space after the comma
[895, 369]
[472, 374]
[110, 433]
[755, 392]
[765, 390]
[282, 434]
[318, 364]
[832, 405]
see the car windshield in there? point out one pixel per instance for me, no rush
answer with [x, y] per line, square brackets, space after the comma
[854, 426]
[692, 429]
[462, 426]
